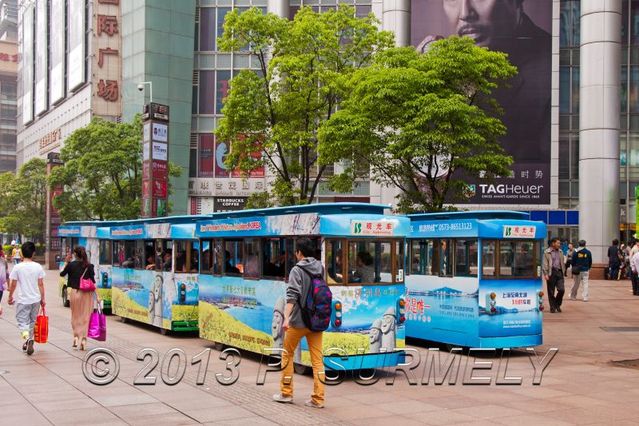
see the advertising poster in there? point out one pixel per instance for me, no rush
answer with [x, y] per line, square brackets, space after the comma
[41, 56]
[27, 65]
[160, 132]
[154, 297]
[516, 309]
[249, 315]
[160, 151]
[206, 158]
[522, 29]
[222, 149]
[76, 36]
[57, 40]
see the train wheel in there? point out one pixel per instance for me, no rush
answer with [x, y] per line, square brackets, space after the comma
[65, 297]
[164, 331]
[218, 346]
[300, 369]
[122, 319]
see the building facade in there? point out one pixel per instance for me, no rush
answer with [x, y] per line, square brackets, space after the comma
[589, 171]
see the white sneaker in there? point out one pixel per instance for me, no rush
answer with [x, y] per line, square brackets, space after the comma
[585, 300]
[573, 298]
[278, 397]
[313, 404]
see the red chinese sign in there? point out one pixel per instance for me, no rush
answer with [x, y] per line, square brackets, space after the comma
[107, 24]
[108, 90]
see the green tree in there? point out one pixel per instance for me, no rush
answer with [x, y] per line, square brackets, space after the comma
[24, 198]
[279, 110]
[102, 172]
[425, 123]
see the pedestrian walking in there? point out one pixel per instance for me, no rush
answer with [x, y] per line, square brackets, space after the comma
[571, 250]
[81, 301]
[4, 274]
[613, 260]
[16, 254]
[28, 279]
[553, 270]
[581, 264]
[299, 285]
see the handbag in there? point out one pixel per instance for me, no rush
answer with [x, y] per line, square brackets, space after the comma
[97, 323]
[41, 330]
[85, 283]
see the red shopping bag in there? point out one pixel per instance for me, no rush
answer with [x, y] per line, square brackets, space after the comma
[41, 331]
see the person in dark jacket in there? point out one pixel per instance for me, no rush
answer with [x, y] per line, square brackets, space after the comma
[81, 301]
[581, 264]
[613, 260]
[299, 284]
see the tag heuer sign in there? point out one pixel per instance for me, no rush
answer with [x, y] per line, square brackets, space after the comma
[515, 231]
[155, 111]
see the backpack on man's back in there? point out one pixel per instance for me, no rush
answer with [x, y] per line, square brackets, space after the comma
[317, 305]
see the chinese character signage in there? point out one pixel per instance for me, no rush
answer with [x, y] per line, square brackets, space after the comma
[107, 61]
[372, 227]
[519, 231]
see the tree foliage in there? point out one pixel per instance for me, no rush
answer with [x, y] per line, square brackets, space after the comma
[425, 123]
[279, 110]
[102, 172]
[24, 196]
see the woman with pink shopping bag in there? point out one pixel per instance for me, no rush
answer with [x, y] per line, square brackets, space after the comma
[81, 283]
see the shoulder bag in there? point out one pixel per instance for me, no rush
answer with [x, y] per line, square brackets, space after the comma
[85, 283]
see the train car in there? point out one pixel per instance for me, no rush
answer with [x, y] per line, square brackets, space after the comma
[247, 255]
[154, 272]
[474, 279]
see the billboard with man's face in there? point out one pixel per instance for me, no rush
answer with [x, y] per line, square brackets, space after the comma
[522, 29]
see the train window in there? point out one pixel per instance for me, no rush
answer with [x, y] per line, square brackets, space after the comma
[421, 257]
[274, 258]
[442, 262]
[118, 253]
[106, 252]
[334, 261]
[370, 262]
[125, 254]
[186, 257]
[252, 258]
[233, 257]
[517, 259]
[488, 257]
[211, 259]
[466, 257]
[149, 255]
[164, 255]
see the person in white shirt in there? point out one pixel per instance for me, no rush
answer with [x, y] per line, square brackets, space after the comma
[28, 278]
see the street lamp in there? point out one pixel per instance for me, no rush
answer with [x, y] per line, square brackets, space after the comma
[141, 89]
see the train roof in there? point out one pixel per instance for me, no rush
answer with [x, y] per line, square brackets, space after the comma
[476, 214]
[320, 208]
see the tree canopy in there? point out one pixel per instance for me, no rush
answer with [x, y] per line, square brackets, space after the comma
[424, 122]
[279, 110]
[23, 200]
[102, 172]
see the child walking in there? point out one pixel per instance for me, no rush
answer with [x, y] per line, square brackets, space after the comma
[28, 278]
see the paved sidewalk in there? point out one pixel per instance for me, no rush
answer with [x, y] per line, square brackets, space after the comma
[580, 386]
